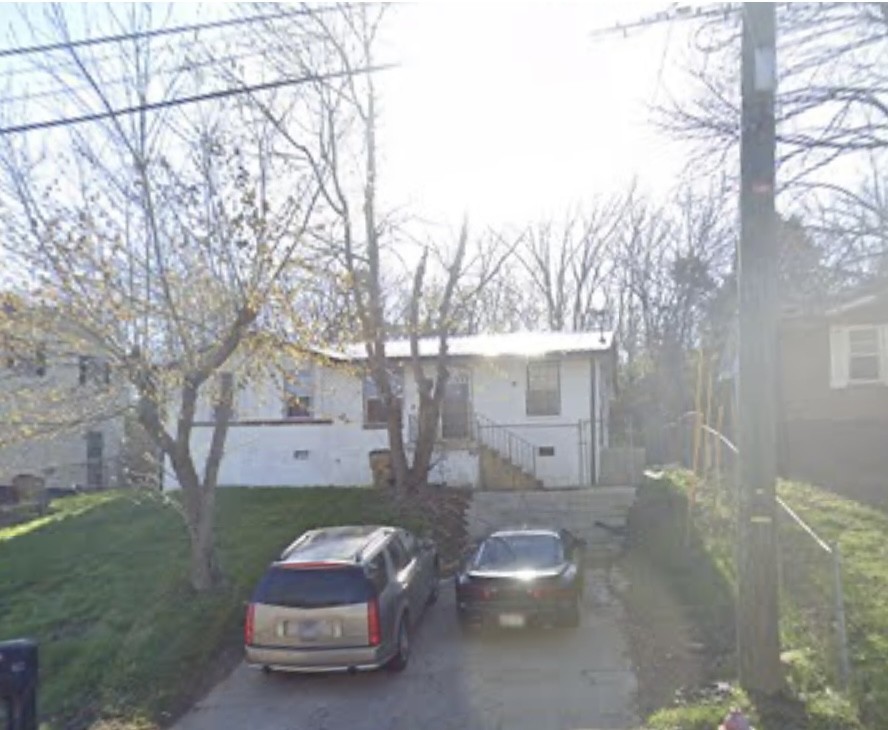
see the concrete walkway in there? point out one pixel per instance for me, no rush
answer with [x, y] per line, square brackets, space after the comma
[557, 679]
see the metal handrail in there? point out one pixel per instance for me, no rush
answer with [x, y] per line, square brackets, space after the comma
[507, 444]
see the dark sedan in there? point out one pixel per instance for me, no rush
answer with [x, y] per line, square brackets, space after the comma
[522, 577]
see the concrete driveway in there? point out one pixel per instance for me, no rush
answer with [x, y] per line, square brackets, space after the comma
[557, 679]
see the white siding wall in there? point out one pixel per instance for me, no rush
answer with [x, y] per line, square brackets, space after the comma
[263, 455]
[60, 458]
[500, 391]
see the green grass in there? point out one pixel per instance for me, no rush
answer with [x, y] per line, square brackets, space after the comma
[698, 563]
[101, 583]
[862, 535]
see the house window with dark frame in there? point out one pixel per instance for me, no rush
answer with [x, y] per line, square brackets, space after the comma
[32, 366]
[543, 388]
[299, 394]
[864, 361]
[93, 370]
[375, 411]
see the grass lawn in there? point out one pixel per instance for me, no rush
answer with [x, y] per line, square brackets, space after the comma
[701, 571]
[101, 583]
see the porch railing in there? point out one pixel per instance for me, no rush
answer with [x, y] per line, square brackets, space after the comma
[507, 444]
[496, 437]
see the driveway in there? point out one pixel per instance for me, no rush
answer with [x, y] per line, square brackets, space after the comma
[558, 679]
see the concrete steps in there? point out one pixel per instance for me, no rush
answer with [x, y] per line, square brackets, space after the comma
[498, 473]
[577, 510]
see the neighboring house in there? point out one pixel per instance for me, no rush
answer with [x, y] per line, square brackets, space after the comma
[521, 411]
[52, 421]
[834, 396]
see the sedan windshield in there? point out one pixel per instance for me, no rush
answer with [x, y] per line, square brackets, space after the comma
[519, 552]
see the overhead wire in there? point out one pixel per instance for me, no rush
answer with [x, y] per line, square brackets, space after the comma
[180, 67]
[193, 99]
[674, 13]
[155, 32]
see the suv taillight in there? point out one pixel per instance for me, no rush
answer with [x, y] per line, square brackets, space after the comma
[373, 632]
[249, 623]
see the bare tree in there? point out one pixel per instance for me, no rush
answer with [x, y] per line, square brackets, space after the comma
[672, 264]
[567, 263]
[833, 90]
[161, 241]
[365, 244]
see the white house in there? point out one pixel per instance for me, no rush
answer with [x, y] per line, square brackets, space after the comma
[59, 417]
[522, 410]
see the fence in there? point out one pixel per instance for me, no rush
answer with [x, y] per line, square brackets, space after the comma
[810, 569]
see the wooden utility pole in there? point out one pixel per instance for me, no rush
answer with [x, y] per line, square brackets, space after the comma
[758, 631]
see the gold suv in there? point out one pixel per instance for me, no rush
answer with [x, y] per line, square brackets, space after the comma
[341, 599]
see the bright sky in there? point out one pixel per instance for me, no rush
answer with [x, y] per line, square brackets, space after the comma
[511, 111]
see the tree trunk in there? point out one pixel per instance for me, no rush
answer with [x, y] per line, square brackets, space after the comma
[199, 504]
[204, 570]
[428, 417]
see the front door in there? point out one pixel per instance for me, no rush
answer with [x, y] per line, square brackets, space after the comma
[456, 408]
[95, 446]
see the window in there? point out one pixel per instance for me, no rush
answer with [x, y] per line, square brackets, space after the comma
[33, 366]
[377, 572]
[543, 388]
[298, 394]
[398, 554]
[520, 550]
[863, 354]
[375, 411]
[409, 543]
[547, 451]
[313, 587]
[93, 370]
[858, 355]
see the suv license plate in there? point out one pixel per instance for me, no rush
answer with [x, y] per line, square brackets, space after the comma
[511, 620]
[313, 630]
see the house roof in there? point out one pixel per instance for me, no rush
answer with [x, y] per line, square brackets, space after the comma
[838, 304]
[515, 344]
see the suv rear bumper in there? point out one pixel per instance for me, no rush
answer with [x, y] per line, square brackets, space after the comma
[349, 659]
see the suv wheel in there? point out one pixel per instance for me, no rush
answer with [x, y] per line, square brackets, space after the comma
[402, 655]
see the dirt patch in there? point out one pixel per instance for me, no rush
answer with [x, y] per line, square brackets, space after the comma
[679, 638]
[666, 653]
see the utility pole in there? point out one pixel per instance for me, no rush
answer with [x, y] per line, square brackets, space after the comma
[758, 630]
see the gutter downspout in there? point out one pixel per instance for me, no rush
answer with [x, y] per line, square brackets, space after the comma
[596, 406]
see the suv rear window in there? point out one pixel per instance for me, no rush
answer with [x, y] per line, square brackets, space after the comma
[313, 587]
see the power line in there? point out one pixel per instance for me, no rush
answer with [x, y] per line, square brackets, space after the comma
[209, 96]
[183, 68]
[676, 12]
[121, 37]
